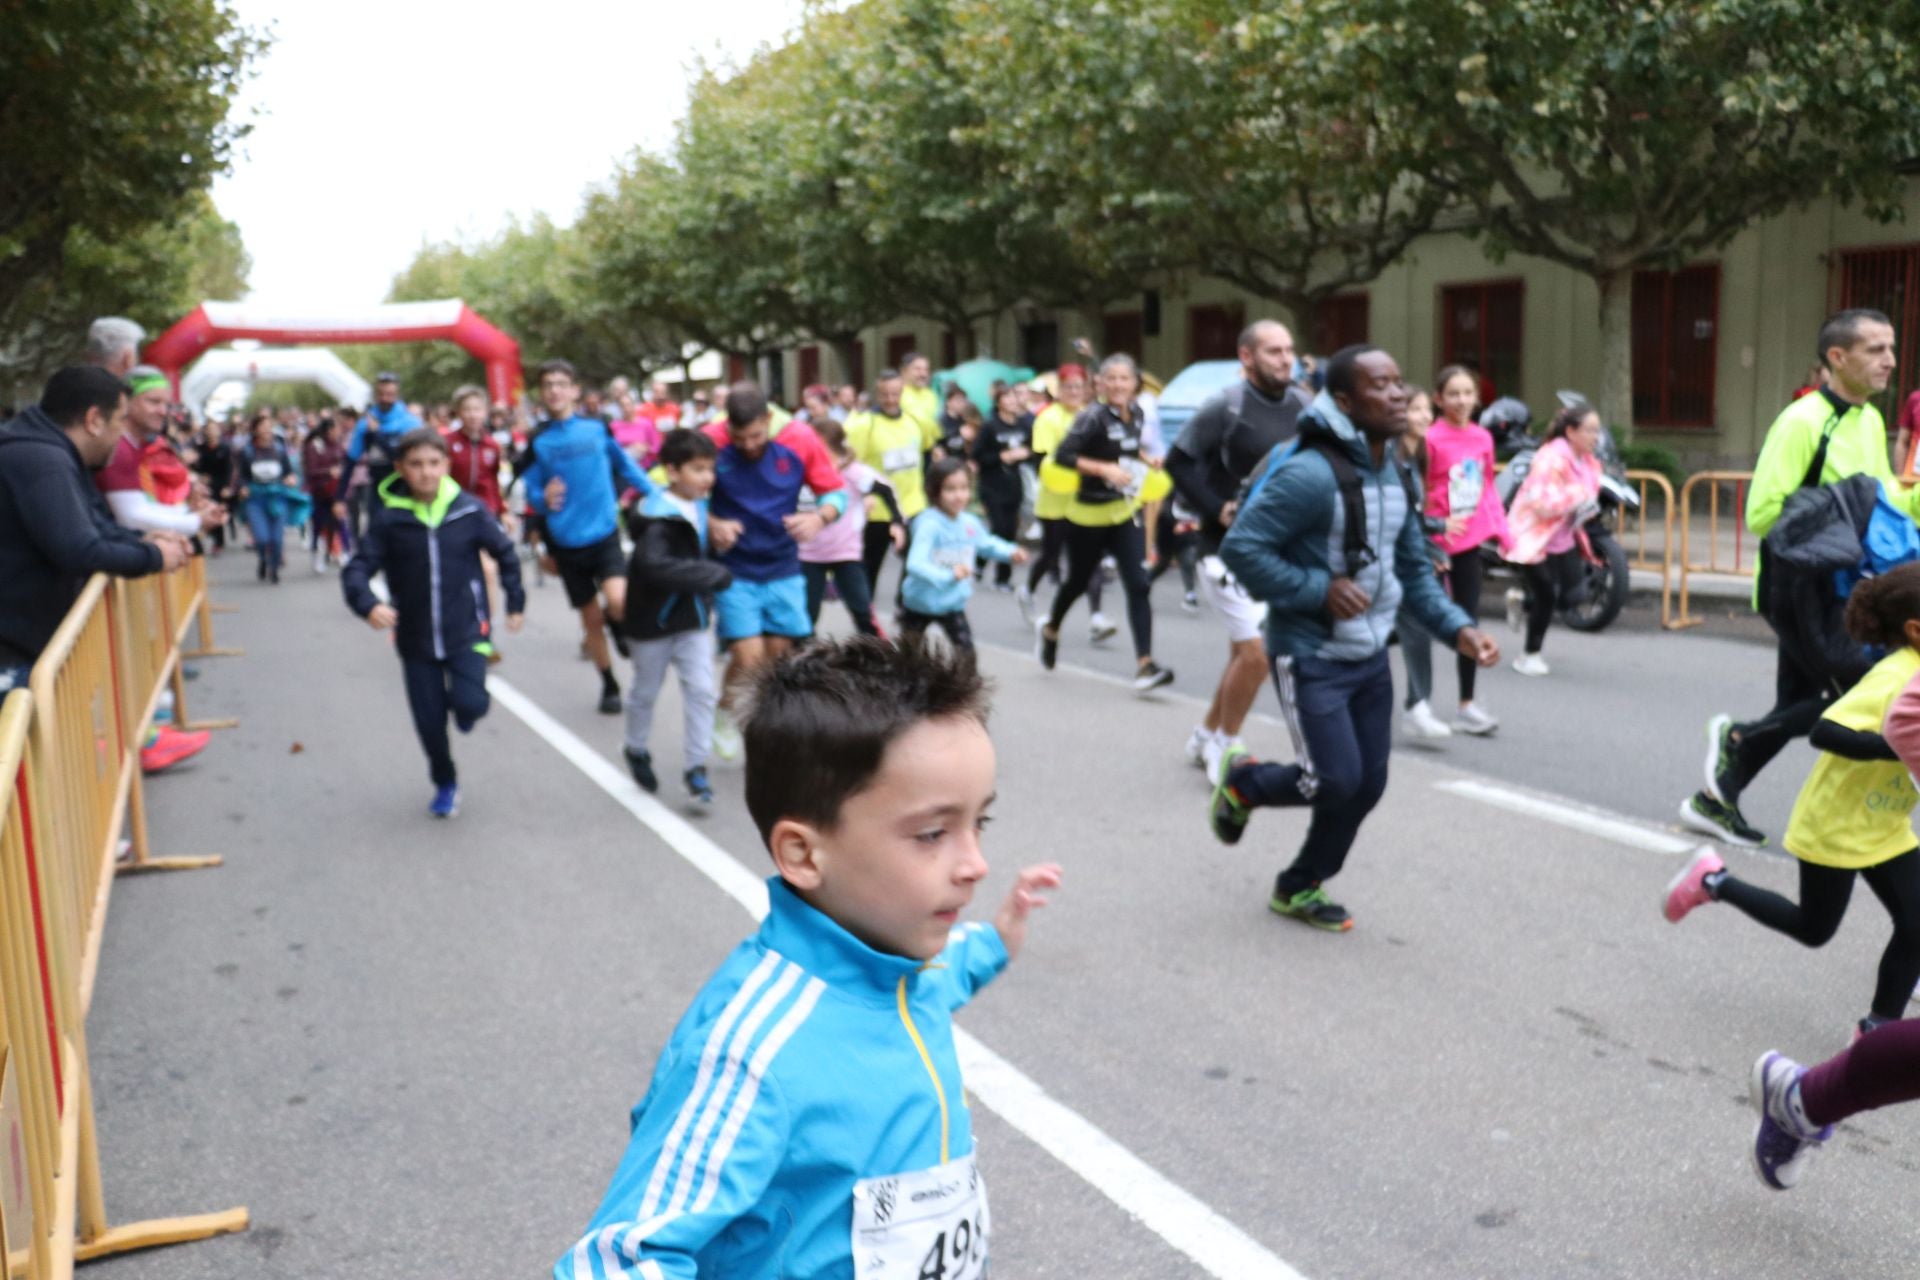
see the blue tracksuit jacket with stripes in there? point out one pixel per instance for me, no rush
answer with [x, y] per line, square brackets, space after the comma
[808, 1062]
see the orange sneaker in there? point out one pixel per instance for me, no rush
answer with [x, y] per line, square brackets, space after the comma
[169, 747]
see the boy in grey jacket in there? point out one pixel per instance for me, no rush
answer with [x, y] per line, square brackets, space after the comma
[1334, 572]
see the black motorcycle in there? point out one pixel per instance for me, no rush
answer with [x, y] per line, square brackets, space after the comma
[1606, 582]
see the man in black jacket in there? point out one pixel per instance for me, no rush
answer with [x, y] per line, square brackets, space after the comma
[1230, 435]
[55, 528]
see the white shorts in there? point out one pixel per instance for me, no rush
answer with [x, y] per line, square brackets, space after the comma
[1243, 615]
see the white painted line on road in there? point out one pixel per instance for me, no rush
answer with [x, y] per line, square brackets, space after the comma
[1170, 1212]
[1561, 813]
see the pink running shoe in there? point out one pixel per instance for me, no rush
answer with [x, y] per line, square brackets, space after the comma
[1689, 889]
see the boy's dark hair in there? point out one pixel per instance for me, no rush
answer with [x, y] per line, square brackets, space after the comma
[822, 719]
[937, 473]
[77, 388]
[419, 438]
[746, 403]
[556, 366]
[1880, 608]
[832, 435]
[682, 447]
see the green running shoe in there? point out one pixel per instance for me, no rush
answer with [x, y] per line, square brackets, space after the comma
[1313, 906]
[1225, 814]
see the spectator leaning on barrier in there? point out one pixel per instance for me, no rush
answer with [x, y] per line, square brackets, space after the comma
[55, 529]
[147, 485]
[1819, 439]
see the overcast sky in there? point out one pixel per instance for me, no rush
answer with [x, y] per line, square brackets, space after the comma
[384, 123]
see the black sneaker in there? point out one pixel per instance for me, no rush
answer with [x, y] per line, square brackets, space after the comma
[1046, 647]
[1312, 906]
[640, 765]
[1722, 784]
[699, 788]
[610, 700]
[1151, 676]
[1704, 814]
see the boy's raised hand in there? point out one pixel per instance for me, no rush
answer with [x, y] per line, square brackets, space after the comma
[1011, 919]
[382, 616]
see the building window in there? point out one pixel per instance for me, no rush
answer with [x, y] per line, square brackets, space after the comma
[1676, 327]
[899, 347]
[809, 365]
[949, 350]
[1888, 280]
[1040, 345]
[1480, 326]
[1213, 332]
[1123, 331]
[1340, 321]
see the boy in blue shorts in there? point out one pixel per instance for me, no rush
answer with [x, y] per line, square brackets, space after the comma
[757, 526]
[807, 1117]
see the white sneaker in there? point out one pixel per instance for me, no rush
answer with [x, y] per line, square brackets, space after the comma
[1197, 745]
[1024, 598]
[1420, 722]
[1101, 628]
[1218, 753]
[1531, 664]
[1476, 720]
[727, 742]
[319, 562]
[1516, 609]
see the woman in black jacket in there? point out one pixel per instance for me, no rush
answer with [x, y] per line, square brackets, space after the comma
[1001, 452]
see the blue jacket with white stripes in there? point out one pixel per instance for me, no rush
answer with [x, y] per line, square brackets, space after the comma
[809, 1062]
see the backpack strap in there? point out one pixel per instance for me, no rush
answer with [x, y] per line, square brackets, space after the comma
[1818, 467]
[1359, 553]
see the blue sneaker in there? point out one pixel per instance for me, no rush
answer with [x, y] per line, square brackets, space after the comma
[699, 788]
[446, 801]
[1785, 1137]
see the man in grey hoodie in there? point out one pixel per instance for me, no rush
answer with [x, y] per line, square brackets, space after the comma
[1300, 545]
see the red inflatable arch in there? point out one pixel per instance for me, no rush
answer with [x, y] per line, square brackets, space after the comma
[215, 322]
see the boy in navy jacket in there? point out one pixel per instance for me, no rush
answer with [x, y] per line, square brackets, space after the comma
[428, 535]
[672, 581]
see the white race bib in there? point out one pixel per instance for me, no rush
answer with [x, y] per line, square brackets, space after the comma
[266, 470]
[904, 458]
[930, 1225]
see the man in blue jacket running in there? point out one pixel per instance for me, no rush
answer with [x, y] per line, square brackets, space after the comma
[573, 464]
[1329, 537]
[376, 437]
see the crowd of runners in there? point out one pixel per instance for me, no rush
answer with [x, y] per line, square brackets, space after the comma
[1324, 517]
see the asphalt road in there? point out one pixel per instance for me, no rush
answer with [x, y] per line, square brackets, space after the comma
[410, 1047]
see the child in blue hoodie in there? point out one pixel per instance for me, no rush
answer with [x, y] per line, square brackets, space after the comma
[672, 580]
[947, 539]
[807, 1117]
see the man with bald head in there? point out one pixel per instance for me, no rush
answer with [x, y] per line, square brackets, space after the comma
[1217, 450]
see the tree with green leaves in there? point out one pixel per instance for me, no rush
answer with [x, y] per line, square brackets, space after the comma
[114, 118]
[1180, 135]
[1612, 137]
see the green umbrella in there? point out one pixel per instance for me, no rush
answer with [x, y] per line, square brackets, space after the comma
[976, 378]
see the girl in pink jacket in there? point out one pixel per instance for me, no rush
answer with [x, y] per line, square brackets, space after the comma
[1546, 533]
[1460, 491]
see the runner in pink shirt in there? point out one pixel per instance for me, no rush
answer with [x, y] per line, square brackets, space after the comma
[1460, 491]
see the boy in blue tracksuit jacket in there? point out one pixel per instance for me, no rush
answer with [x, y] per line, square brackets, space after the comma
[1331, 606]
[807, 1119]
[948, 540]
[581, 515]
[428, 535]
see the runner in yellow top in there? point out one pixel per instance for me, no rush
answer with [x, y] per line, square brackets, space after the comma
[1853, 815]
[889, 441]
[918, 400]
[1058, 485]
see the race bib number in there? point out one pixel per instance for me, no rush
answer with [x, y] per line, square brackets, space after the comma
[1136, 477]
[904, 458]
[930, 1225]
[266, 470]
[1466, 481]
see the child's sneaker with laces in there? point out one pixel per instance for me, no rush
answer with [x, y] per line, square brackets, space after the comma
[1784, 1138]
[1312, 906]
[446, 801]
[1689, 889]
[1226, 814]
[699, 788]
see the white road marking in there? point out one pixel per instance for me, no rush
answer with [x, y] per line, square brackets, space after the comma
[1170, 1212]
[1563, 813]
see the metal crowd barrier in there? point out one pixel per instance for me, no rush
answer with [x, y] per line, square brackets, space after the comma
[1637, 522]
[69, 783]
[1743, 562]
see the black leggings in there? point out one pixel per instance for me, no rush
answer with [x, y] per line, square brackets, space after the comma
[1464, 578]
[1003, 521]
[913, 627]
[1086, 545]
[1053, 541]
[1823, 901]
[1552, 582]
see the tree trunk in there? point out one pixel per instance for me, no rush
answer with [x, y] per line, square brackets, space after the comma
[1616, 352]
[966, 341]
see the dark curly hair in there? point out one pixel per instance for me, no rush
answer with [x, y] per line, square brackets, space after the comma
[1880, 608]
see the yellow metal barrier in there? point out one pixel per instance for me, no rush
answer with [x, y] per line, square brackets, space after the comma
[1740, 562]
[184, 600]
[200, 605]
[69, 758]
[1650, 482]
